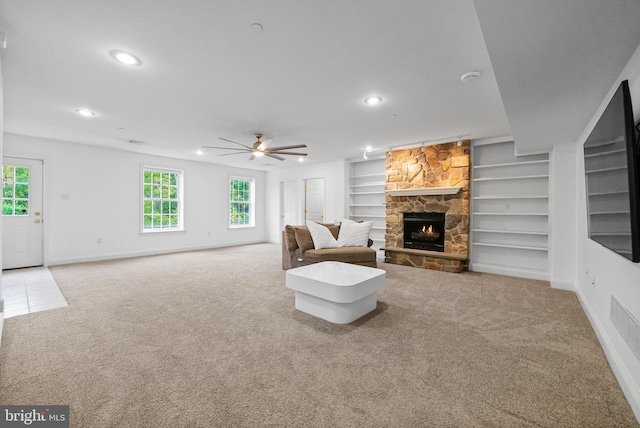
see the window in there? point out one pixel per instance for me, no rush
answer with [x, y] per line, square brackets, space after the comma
[161, 200]
[15, 190]
[241, 202]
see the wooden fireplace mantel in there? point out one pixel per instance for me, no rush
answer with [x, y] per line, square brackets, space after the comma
[451, 190]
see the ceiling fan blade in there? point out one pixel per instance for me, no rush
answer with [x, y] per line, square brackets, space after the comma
[271, 155]
[286, 153]
[297, 146]
[229, 154]
[234, 142]
[223, 148]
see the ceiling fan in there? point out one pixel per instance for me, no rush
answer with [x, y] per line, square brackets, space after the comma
[259, 149]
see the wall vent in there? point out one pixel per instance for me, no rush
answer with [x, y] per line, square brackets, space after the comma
[627, 325]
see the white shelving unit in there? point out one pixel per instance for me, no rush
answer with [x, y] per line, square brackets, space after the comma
[367, 198]
[510, 212]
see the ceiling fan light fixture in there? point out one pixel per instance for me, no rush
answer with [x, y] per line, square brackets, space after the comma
[258, 153]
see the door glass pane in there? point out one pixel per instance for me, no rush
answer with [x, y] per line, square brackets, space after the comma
[15, 190]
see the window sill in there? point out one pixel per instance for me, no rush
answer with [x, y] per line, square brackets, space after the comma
[161, 231]
[240, 227]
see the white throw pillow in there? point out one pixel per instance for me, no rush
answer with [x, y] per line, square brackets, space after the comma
[322, 236]
[354, 234]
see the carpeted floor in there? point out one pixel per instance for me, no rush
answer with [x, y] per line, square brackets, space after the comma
[212, 339]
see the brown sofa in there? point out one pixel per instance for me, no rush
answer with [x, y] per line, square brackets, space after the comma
[298, 249]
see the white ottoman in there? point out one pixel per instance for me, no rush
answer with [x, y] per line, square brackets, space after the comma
[337, 292]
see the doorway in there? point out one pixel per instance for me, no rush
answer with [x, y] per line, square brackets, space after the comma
[22, 231]
[314, 199]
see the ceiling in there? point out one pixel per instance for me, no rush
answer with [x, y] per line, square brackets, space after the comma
[206, 73]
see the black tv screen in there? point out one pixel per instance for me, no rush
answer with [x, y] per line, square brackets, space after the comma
[612, 170]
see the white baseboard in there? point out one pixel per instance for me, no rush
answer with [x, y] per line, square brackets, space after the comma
[563, 285]
[629, 387]
[125, 255]
[503, 270]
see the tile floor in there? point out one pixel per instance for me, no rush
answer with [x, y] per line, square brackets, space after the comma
[30, 290]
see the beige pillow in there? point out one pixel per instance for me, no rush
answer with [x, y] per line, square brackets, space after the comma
[290, 235]
[303, 238]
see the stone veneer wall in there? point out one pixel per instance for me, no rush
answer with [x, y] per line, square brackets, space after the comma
[440, 165]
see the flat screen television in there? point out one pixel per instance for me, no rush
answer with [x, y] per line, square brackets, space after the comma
[612, 173]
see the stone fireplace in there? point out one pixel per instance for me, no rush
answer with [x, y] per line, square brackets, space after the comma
[428, 186]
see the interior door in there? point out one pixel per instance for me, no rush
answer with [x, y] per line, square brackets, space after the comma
[289, 203]
[314, 199]
[22, 213]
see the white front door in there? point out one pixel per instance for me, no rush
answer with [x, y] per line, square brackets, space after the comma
[314, 199]
[22, 213]
[289, 201]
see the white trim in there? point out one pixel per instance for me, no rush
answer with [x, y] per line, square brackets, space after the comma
[448, 190]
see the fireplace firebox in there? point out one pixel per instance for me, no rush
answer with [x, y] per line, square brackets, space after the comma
[424, 231]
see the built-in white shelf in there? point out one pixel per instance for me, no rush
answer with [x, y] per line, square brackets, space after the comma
[381, 192]
[510, 164]
[479, 198]
[520, 177]
[514, 214]
[369, 184]
[509, 204]
[378, 174]
[449, 190]
[367, 197]
[512, 247]
[511, 232]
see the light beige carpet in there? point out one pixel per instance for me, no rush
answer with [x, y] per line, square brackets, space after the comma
[212, 339]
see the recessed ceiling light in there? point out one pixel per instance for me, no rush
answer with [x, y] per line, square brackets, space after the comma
[200, 153]
[125, 58]
[84, 112]
[300, 159]
[372, 100]
[256, 27]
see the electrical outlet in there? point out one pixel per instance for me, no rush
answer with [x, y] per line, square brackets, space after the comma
[99, 240]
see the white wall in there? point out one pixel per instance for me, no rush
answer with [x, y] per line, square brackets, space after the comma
[602, 273]
[562, 216]
[336, 176]
[92, 192]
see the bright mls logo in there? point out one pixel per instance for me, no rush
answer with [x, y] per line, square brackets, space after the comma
[34, 416]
